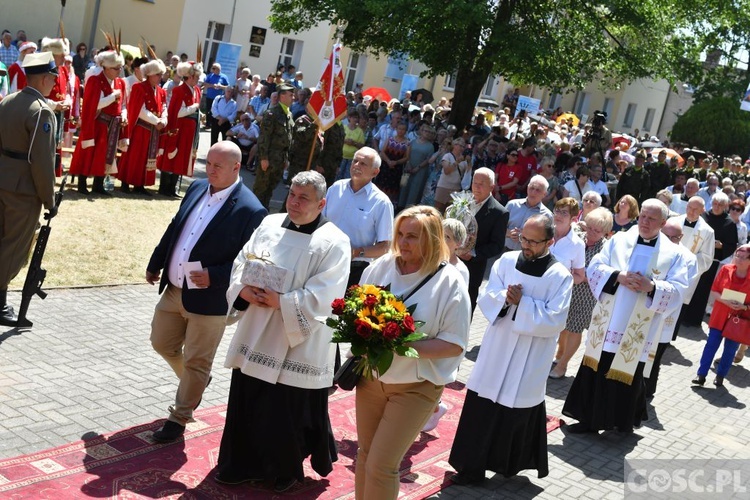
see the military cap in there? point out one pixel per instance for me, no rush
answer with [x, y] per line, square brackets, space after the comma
[285, 87]
[38, 63]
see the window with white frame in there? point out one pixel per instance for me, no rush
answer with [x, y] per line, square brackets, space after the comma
[582, 103]
[355, 67]
[608, 105]
[649, 120]
[490, 87]
[555, 100]
[450, 81]
[627, 122]
[291, 52]
[215, 34]
[396, 66]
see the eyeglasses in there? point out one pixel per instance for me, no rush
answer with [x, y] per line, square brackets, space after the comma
[589, 201]
[562, 212]
[525, 241]
[735, 209]
[513, 154]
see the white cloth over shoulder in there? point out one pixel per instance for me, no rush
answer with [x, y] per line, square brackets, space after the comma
[517, 348]
[288, 345]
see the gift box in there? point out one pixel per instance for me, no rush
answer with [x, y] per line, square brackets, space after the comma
[262, 273]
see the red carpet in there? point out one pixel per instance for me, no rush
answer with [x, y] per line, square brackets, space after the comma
[128, 465]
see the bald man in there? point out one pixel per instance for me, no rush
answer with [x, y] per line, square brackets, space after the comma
[216, 218]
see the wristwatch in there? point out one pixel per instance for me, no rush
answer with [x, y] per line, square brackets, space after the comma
[361, 252]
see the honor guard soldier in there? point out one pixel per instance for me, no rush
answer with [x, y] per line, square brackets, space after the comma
[27, 169]
[273, 144]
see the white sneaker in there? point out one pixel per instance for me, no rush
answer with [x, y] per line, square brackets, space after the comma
[435, 418]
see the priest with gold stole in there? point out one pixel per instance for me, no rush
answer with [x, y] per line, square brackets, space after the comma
[638, 278]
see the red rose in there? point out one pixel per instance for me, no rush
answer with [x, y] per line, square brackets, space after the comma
[338, 306]
[371, 301]
[408, 323]
[364, 330]
[391, 331]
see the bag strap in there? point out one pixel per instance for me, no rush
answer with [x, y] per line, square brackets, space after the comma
[424, 282]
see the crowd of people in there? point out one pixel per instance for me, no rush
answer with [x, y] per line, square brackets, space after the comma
[580, 242]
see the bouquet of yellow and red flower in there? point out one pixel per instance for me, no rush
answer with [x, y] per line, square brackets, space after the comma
[377, 324]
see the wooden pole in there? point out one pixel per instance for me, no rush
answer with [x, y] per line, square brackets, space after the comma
[312, 149]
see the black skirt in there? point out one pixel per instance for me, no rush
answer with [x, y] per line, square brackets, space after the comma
[505, 440]
[271, 428]
[604, 404]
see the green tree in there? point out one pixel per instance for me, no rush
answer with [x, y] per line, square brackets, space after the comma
[557, 44]
[717, 125]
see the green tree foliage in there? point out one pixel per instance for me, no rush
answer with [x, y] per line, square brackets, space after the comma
[721, 29]
[559, 44]
[717, 125]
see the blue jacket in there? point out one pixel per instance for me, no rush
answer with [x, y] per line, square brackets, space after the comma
[216, 249]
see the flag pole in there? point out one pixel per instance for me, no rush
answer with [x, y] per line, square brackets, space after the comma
[312, 147]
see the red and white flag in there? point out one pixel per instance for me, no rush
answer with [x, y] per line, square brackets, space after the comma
[328, 102]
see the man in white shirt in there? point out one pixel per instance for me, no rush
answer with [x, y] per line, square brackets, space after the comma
[245, 135]
[223, 110]
[216, 217]
[711, 188]
[362, 212]
[521, 209]
[598, 184]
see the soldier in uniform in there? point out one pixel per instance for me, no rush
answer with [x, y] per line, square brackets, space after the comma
[635, 181]
[304, 133]
[659, 174]
[27, 169]
[273, 144]
[333, 152]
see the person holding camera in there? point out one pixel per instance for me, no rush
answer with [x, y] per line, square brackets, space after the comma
[599, 137]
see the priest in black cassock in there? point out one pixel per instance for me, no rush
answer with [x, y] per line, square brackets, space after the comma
[639, 279]
[503, 422]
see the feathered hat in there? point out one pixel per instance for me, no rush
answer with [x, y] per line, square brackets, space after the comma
[110, 59]
[59, 46]
[155, 67]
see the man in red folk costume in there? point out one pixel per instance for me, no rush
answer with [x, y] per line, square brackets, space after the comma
[147, 113]
[183, 127]
[16, 74]
[102, 118]
[59, 99]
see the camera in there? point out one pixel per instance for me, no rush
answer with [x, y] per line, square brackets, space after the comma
[600, 118]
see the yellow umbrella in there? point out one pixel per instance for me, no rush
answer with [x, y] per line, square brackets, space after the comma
[566, 116]
[131, 50]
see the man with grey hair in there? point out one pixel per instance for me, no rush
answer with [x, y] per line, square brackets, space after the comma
[725, 243]
[521, 209]
[280, 354]
[698, 239]
[711, 188]
[492, 221]
[638, 279]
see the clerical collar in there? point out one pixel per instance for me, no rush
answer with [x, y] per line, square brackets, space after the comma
[308, 228]
[690, 224]
[536, 267]
[648, 243]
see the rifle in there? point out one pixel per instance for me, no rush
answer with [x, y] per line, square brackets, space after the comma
[36, 274]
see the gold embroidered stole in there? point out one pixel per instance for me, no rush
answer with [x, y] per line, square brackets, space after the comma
[636, 333]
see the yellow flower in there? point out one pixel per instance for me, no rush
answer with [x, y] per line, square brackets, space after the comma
[397, 305]
[370, 290]
[369, 317]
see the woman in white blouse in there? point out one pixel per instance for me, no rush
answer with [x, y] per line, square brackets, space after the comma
[577, 188]
[570, 250]
[393, 408]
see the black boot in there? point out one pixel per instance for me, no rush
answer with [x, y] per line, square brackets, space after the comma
[173, 192]
[82, 185]
[99, 186]
[165, 184]
[7, 315]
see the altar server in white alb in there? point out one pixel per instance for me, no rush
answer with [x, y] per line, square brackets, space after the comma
[281, 354]
[503, 422]
[638, 278]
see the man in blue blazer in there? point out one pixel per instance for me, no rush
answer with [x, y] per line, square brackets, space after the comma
[216, 218]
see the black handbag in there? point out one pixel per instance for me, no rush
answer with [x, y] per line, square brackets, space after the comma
[346, 378]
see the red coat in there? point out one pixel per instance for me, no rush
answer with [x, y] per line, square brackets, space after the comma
[61, 90]
[133, 164]
[17, 77]
[178, 149]
[91, 160]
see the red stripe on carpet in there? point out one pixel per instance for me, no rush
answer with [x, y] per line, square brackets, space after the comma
[128, 464]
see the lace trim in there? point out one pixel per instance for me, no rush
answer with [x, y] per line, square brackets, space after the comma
[289, 365]
[304, 326]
